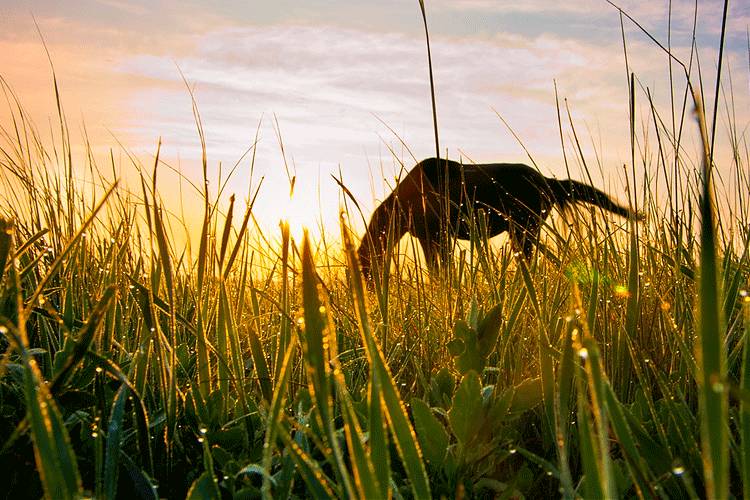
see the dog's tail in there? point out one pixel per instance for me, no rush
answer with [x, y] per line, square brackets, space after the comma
[569, 191]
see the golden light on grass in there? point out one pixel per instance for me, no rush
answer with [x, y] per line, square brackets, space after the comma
[622, 291]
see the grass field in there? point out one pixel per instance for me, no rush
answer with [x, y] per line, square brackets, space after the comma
[616, 364]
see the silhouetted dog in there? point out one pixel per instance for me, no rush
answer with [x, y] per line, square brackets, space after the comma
[441, 194]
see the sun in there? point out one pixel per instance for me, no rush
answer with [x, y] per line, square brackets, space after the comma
[299, 211]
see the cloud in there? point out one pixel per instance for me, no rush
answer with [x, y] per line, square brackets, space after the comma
[331, 84]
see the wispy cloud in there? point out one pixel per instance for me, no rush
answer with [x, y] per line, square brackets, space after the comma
[331, 84]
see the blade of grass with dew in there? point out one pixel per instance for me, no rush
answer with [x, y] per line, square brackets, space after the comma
[545, 358]
[589, 451]
[241, 234]
[385, 387]
[367, 481]
[744, 405]
[85, 338]
[53, 454]
[275, 413]
[565, 380]
[639, 472]
[114, 437]
[235, 349]
[316, 345]
[225, 233]
[260, 361]
[319, 485]
[141, 417]
[622, 362]
[169, 362]
[710, 349]
[598, 409]
[378, 436]
[69, 246]
[284, 337]
[223, 354]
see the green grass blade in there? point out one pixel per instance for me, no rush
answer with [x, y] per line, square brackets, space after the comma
[274, 416]
[710, 350]
[54, 456]
[378, 437]
[565, 380]
[235, 350]
[368, 483]
[319, 485]
[225, 233]
[587, 444]
[639, 471]
[63, 255]
[6, 241]
[398, 420]
[316, 349]
[593, 426]
[745, 405]
[114, 437]
[545, 358]
[85, 338]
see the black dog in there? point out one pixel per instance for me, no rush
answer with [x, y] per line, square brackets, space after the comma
[441, 194]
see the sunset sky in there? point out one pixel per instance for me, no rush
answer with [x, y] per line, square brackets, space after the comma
[337, 75]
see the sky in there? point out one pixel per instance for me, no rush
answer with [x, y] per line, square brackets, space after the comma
[341, 87]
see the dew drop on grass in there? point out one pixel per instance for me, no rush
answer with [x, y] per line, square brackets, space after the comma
[583, 353]
[512, 451]
[203, 430]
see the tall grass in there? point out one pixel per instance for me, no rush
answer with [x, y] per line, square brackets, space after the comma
[614, 364]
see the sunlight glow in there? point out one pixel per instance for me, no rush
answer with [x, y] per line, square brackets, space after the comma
[299, 214]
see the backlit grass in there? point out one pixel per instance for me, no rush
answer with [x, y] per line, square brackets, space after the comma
[615, 364]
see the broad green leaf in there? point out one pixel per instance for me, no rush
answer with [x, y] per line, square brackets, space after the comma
[465, 348]
[204, 488]
[467, 412]
[431, 433]
[489, 330]
[527, 395]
